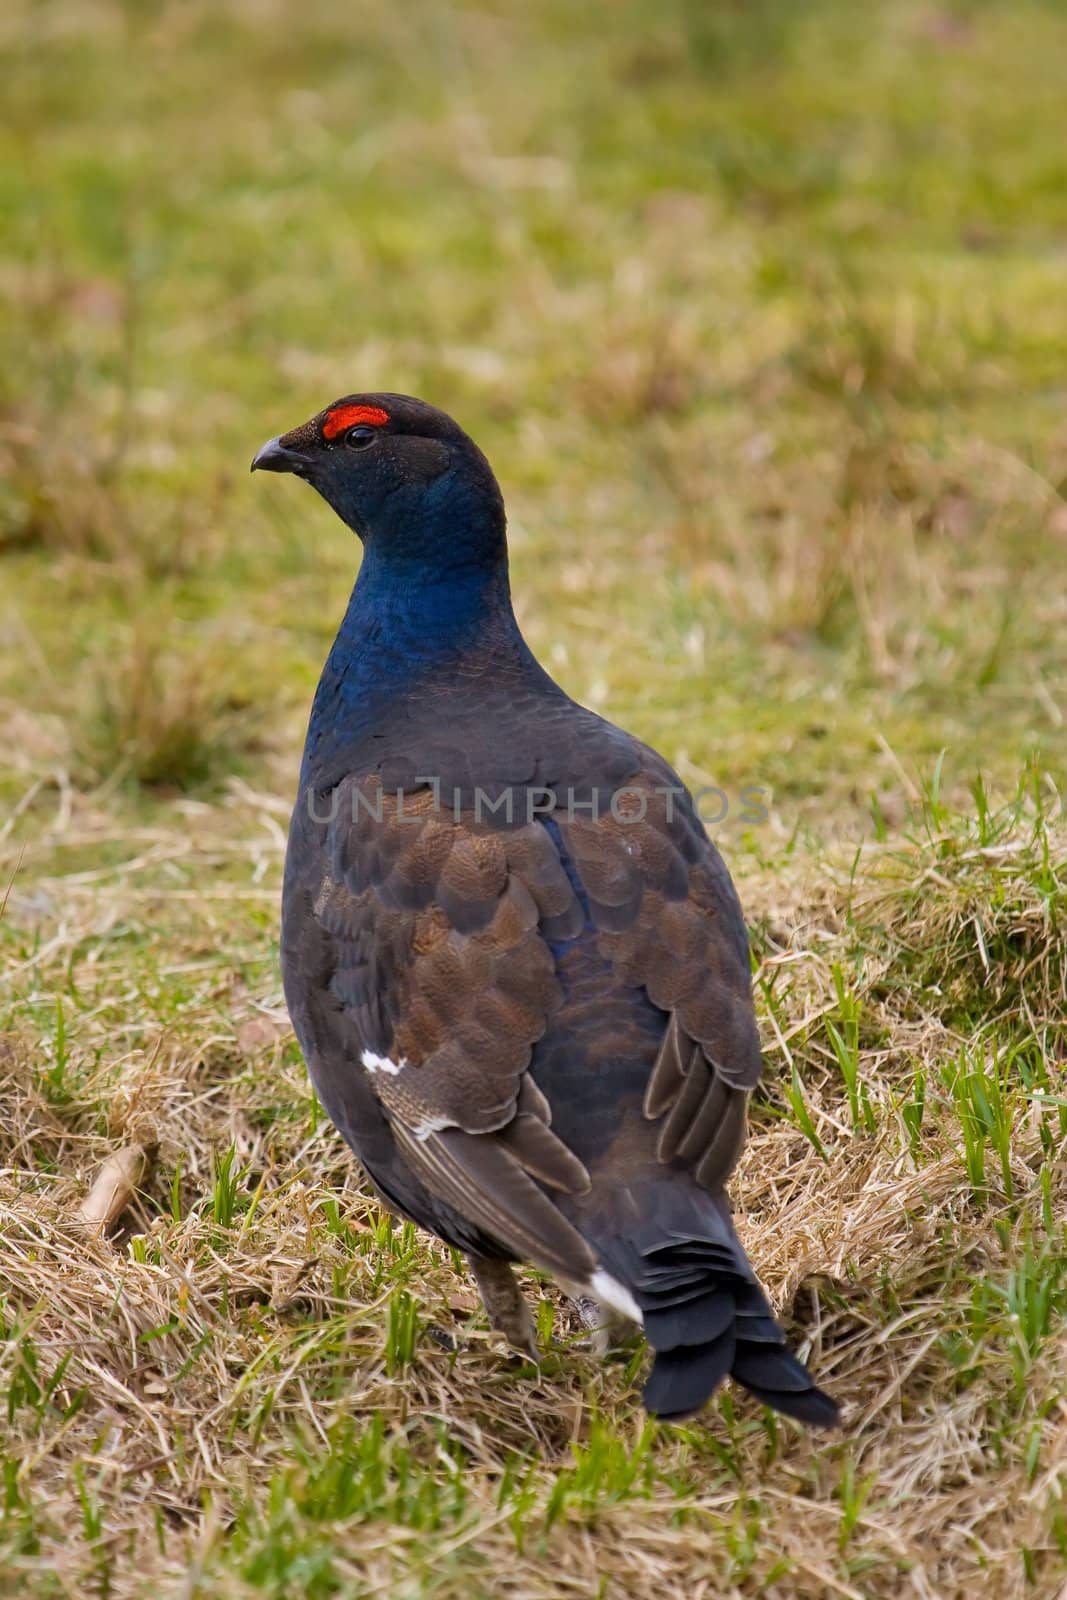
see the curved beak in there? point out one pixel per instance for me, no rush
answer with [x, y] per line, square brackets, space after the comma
[277, 457]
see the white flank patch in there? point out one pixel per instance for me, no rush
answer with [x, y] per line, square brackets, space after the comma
[375, 1063]
[431, 1125]
[610, 1292]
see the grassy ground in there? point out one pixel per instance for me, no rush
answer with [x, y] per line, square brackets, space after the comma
[758, 309]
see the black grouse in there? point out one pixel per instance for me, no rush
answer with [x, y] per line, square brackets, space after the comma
[515, 962]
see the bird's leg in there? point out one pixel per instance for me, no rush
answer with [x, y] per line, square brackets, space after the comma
[504, 1303]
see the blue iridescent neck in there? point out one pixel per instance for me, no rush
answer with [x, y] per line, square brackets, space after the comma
[404, 617]
[408, 624]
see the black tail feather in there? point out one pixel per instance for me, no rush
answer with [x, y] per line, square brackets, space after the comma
[695, 1322]
[706, 1317]
[774, 1375]
[685, 1376]
[682, 1380]
[815, 1407]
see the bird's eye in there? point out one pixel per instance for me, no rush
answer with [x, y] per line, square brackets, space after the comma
[360, 437]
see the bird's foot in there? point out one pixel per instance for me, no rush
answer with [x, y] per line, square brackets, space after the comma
[605, 1328]
[446, 1341]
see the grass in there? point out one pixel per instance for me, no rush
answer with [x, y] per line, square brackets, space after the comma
[757, 310]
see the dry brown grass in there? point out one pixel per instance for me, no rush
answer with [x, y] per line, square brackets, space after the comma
[223, 1397]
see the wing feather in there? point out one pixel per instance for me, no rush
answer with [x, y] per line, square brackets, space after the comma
[443, 979]
[670, 921]
[439, 933]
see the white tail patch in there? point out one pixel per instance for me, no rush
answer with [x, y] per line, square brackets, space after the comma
[610, 1292]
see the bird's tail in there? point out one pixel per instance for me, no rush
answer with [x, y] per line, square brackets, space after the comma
[707, 1318]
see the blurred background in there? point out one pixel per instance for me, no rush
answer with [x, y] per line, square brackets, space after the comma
[758, 309]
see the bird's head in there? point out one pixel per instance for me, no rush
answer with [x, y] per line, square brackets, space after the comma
[400, 473]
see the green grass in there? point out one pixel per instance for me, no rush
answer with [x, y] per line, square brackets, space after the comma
[757, 310]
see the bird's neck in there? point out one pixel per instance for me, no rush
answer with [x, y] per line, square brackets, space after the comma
[407, 628]
[407, 617]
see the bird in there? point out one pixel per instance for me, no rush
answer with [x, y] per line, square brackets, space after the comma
[514, 961]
